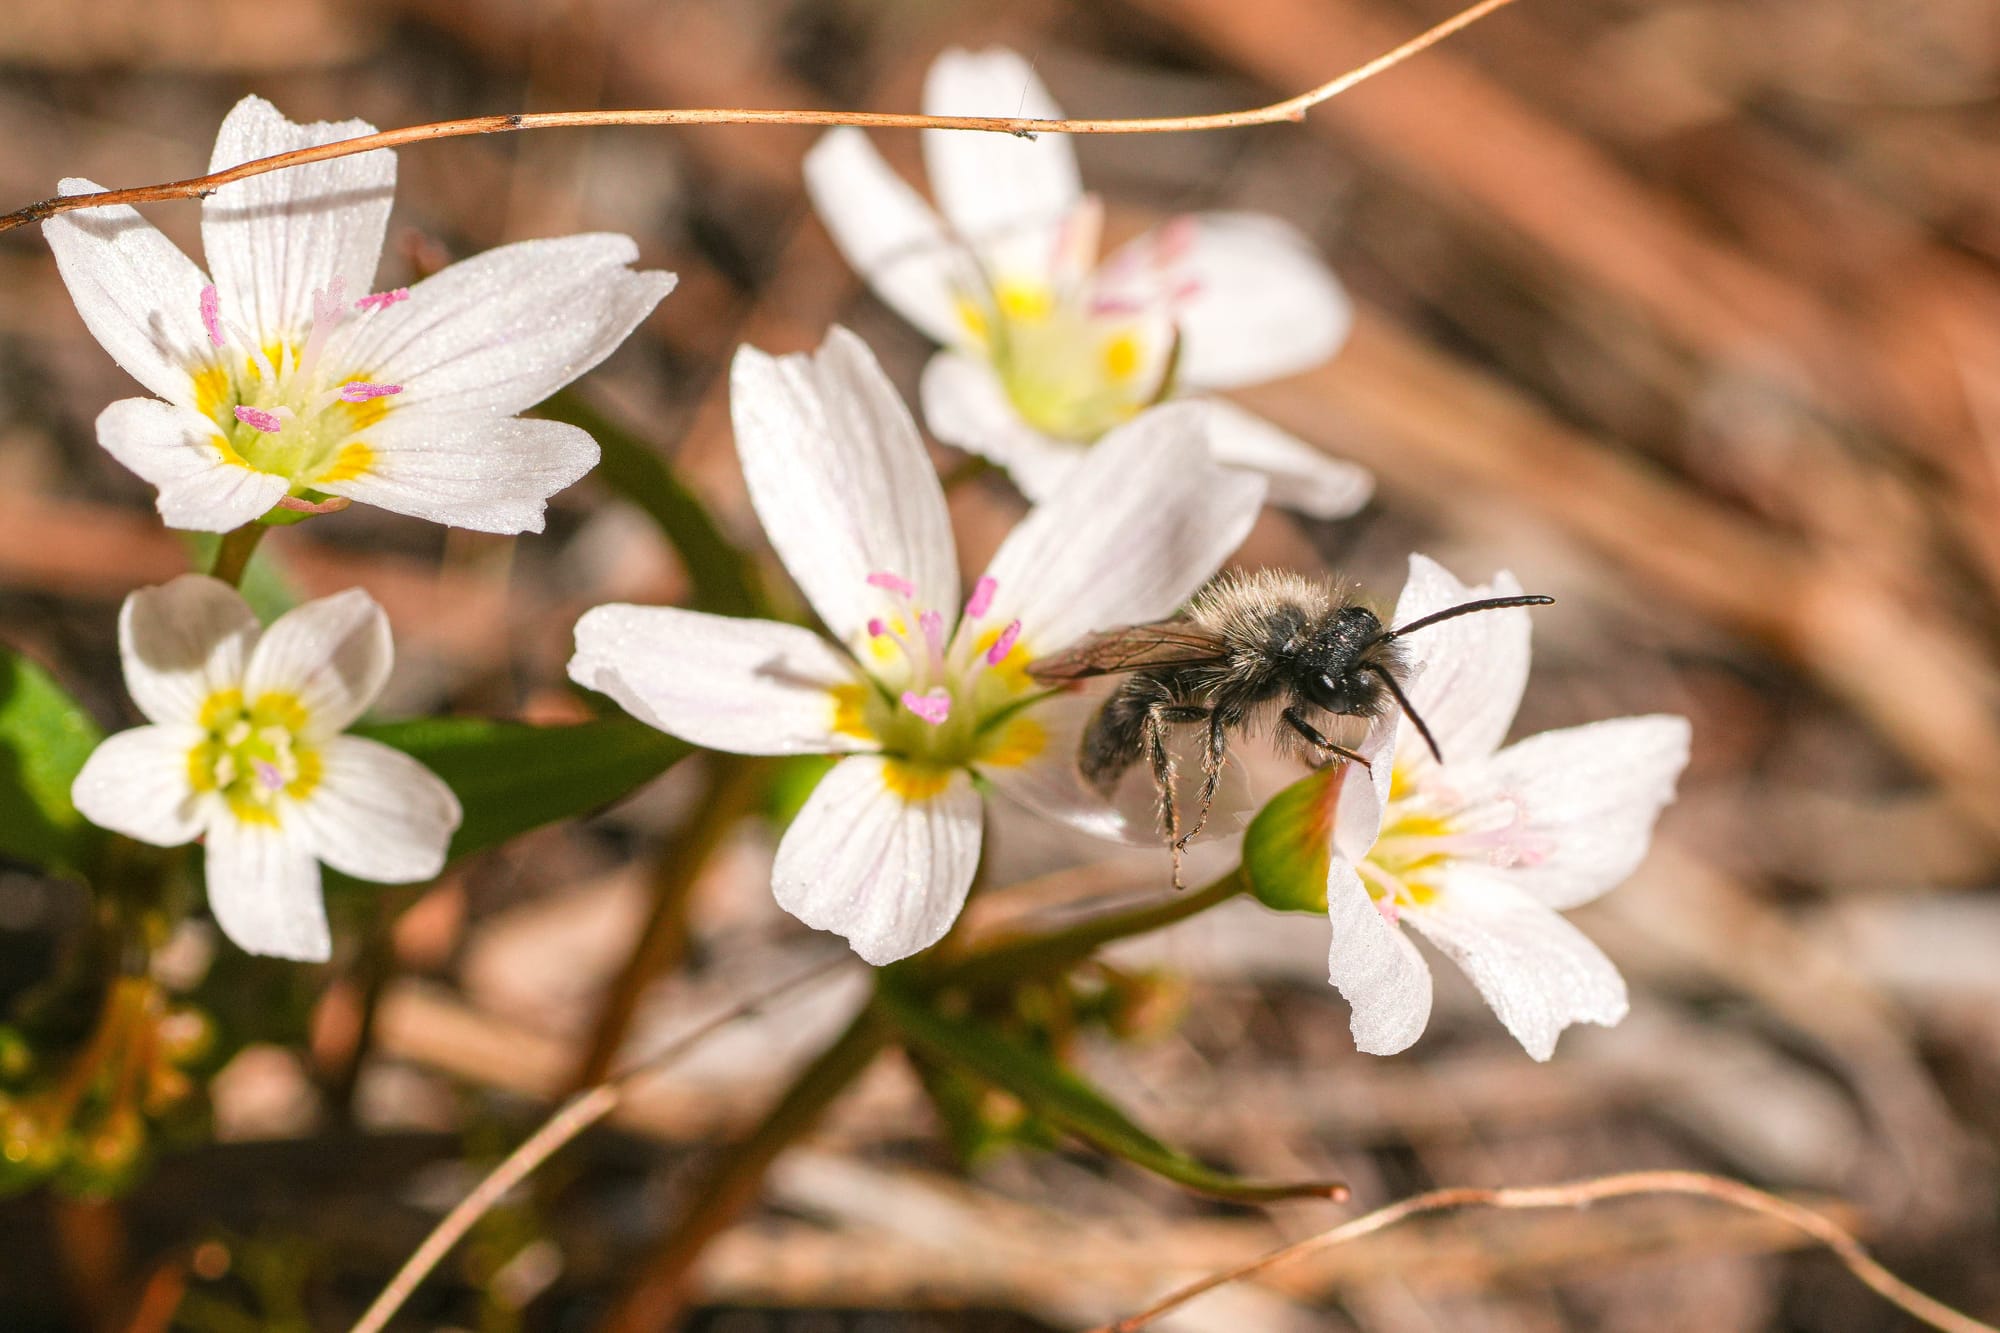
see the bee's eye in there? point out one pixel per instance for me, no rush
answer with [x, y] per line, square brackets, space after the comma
[1328, 693]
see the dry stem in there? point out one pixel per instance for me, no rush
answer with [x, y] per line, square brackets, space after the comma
[1292, 108]
[1576, 1194]
[576, 1115]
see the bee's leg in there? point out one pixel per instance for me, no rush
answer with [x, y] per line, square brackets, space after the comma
[1212, 757]
[1162, 714]
[1328, 751]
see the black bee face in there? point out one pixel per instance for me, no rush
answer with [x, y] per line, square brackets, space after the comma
[1350, 693]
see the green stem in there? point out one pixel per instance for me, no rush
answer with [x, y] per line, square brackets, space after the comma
[730, 1186]
[232, 557]
[1039, 955]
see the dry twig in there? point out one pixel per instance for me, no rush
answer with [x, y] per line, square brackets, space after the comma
[1576, 1194]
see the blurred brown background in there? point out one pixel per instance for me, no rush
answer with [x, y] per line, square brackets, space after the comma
[1686, 311]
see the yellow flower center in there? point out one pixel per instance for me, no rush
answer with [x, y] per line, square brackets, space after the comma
[252, 754]
[1071, 372]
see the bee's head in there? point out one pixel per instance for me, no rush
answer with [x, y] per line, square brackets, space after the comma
[1340, 666]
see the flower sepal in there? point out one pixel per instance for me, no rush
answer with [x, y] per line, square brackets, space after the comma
[1289, 845]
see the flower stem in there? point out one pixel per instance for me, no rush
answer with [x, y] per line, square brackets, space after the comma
[731, 1184]
[1039, 955]
[232, 557]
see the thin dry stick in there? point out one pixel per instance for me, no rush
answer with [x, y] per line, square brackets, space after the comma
[1292, 108]
[1575, 1194]
[576, 1115]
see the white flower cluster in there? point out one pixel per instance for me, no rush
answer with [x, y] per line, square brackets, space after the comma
[283, 382]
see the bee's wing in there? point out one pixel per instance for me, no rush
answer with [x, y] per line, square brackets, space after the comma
[1163, 643]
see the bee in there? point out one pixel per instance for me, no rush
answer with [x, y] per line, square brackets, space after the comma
[1247, 646]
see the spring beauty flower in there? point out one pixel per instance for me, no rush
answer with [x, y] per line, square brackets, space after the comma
[245, 752]
[1482, 852]
[927, 698]
[280, 377]
[1045, 349]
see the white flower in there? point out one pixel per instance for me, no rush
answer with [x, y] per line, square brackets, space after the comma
[281, 378]
[922, 694]
[246, 752]
[1046, 350]
[1481, 852]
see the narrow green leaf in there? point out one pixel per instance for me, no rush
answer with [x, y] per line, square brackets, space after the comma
[512, 777]
[44, 738]
[1289, 844]
[724, 581]
[1061, 1097]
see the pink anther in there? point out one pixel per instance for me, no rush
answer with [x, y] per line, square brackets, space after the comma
[876, 627]
[981, 600]
[211, 314]
[268, 775]
[933, 707]
[1004, 644]
[895, 583]
[360, 391]
[258, 419]
[1387, 907]
[383, 300]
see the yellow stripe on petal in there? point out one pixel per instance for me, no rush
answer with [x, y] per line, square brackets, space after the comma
[914, 782]
[849, 715]
[213, 392]
[351, 463]
[1019, 740]
[1121, 357]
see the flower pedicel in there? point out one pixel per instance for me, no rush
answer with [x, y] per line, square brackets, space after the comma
[245, 751]
[279, 375]
[921, 694]
[1045, 348]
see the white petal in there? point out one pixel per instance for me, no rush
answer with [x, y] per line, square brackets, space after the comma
[333, 653]
[478, 473]
[1255, 301]
[966, 405]
[1364, 792]
[887, 872]
[1538, 971]
[1138, 527]
[263, 886]
[841, 482]
[272, 239]
[139, 296]
[181, 642]
[1588, 797]
[1049, 782]
[1375, 968]
[136, 783]
[1005, 195]
[889, 235]
[745, 686]
[179, 450]
[497, 333]
[377, 814]
[1466, 674]
[1302, 478]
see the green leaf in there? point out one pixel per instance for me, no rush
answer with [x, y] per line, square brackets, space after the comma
[1289, 844]
[512, 777]
[1061, 1097]
[724, 580]
[44, 738]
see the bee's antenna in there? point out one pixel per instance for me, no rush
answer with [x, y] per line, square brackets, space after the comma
[1465, 609]
[1409, 709]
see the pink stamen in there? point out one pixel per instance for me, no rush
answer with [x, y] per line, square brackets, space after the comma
[981, 600]
[268, 775]
[1387, 907]
[1004, 644]
[876, 629]
[932, 624]
[360, 391]
[211, 314]
[258, 419]
[933, 707]
[383, 300]
[895, 583]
